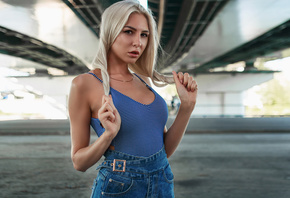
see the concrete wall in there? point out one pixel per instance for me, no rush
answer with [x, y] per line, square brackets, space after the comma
[196, 125]
[222, 125]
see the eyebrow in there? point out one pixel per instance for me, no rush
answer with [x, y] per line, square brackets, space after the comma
[127, 26]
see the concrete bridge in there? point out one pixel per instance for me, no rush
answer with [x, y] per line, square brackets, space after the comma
[53, 41]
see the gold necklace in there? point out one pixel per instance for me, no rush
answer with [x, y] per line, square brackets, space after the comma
[122, 80]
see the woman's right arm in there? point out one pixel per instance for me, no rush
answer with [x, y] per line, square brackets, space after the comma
[83, 154]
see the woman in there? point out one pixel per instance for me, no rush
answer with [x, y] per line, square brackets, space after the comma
[126, 113]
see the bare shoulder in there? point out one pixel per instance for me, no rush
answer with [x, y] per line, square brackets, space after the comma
[80, 80]
[85, 81]
[145, 78]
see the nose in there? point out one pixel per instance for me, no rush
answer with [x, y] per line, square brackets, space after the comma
[137, 41]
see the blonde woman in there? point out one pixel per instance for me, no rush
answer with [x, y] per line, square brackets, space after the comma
[129, 117]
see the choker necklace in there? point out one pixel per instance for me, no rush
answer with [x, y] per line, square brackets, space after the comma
[122, 80]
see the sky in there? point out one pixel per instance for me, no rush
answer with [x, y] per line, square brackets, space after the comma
[143, 3]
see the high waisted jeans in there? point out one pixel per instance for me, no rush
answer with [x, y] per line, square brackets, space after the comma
[123, 175]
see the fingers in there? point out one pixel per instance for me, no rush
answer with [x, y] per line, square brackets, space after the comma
[176, 80]
[107, 116]
[107, 110]
[107, 99]
[186, 80]
[193, 87]
[180, 77]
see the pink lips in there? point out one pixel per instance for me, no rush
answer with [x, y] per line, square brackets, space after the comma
[134, 54]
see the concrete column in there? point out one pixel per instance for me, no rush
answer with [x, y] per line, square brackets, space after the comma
[219, 104]
[222, 94]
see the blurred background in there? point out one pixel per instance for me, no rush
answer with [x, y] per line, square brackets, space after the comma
[237, 50]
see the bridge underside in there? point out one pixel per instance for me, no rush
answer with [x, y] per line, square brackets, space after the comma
[16, 44]
[273, 41]
[197, 35]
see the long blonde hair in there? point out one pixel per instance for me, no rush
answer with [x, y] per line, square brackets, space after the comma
[114, 19]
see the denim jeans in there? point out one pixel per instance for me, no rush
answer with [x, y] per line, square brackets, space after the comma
[123, 175]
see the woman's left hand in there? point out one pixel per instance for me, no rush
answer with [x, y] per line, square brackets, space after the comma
[186, 88]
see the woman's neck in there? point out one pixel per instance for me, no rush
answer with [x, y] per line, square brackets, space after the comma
[116, 67]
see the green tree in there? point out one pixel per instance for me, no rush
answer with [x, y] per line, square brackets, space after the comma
[275, 97]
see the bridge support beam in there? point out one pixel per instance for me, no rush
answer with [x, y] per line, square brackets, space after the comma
[219, 94]
[222, 94]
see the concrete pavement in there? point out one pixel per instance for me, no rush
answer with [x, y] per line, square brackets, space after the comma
[205, 166]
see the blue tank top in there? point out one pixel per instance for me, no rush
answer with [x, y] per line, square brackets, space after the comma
[142, 126]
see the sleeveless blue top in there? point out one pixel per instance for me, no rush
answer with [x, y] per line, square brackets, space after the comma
[142, 126]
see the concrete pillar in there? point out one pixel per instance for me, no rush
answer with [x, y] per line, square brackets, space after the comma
[219, 104]
[222, 94]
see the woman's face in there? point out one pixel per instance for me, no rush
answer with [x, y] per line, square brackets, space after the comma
[132, 40]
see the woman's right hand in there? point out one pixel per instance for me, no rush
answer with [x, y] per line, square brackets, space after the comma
[109, 117]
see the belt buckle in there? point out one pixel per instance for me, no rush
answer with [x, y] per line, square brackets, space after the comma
[114, 165]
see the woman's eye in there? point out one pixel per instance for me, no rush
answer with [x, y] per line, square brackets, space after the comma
[128, 31]
[144, 35]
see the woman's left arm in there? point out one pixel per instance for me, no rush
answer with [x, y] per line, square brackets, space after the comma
[187, 92]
